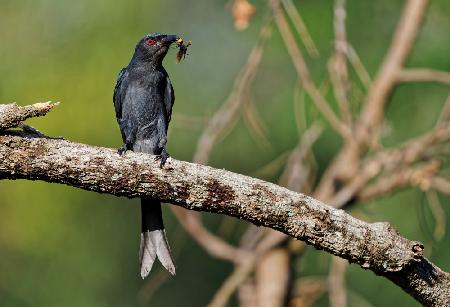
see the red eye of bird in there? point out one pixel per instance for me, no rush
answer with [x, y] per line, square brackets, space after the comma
[150, 41]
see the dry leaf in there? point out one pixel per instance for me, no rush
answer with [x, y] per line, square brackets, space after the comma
[242, 12]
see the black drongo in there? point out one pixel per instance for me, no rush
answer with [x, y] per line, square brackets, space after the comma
[143, 100]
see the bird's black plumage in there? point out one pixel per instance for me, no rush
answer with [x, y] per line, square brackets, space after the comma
[143, 101]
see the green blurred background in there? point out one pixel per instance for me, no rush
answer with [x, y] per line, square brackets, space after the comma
[60, 246]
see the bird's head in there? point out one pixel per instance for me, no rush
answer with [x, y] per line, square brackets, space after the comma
[153, 47]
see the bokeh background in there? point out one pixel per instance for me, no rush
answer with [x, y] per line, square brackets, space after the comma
[60, 246]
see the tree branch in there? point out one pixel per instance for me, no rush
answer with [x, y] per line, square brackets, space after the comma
[346, 164]
[203, 188]
[12, 115]
[303, 72]
[423, 75]
[374, 246]
[387, 77]
[226, 116]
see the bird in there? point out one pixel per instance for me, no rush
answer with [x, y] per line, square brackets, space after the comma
[143, 100]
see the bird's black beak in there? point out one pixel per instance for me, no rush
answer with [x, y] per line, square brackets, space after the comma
[169, 39]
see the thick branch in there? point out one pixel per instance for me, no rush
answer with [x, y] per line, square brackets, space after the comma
[203, 188]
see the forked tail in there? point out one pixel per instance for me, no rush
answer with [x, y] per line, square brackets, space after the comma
[153, 238]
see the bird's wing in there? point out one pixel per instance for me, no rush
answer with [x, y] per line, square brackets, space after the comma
[121, 85]
[169, 98]
[119, 93]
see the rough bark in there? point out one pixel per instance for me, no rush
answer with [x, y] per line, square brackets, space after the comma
[374, 246]
[11, 115]
[203, 188]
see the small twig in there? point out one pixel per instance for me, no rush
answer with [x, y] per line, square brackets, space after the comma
[417, 176]
[11, 115]
[395, 168]
[241, 272]
[189, 122]
[397, 165]
[256, 127]
[251, 237]
[308, 290]
[227, 114]
[338, 62]
[438, 213]
[299, 108]
[440, 184]
[301, 28]
[358, 66]
[212, 244]
[423, 75]
[346, 164]
[273, 167]
[387, 77]
[303, 72]
[146, 293]
[445, 113]
[236, 278]
[226, 228]
[358, 300]
[296, 174]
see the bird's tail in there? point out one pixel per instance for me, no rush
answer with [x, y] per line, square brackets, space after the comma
[153, 238]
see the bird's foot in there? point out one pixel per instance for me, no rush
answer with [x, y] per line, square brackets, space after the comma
[162, 157]
[31, 130]
[122, 150]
